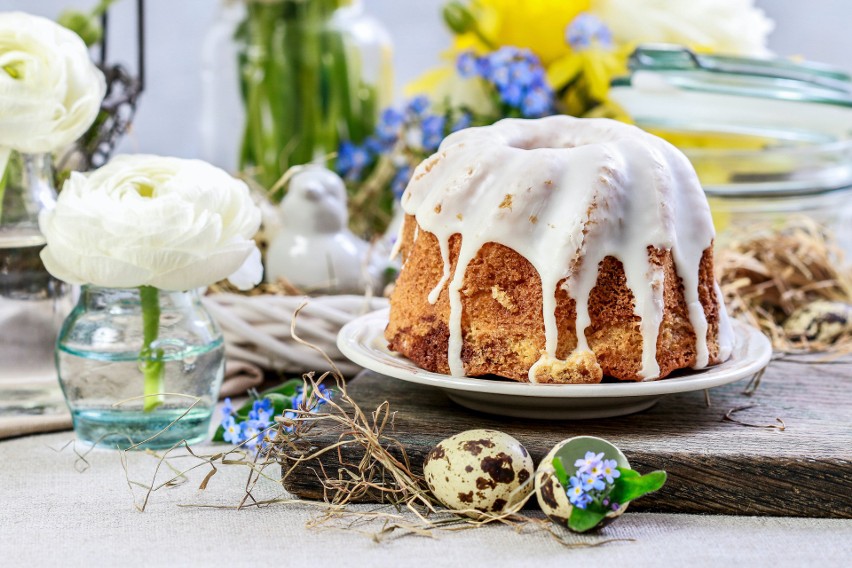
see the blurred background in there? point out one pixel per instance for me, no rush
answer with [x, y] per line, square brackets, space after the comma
[169, 120]
[262, 87]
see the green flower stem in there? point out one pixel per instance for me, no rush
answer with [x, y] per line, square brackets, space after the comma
[5, 153]
[301, 85]
[151, 360]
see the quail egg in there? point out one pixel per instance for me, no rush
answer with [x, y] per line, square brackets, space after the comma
[479, 469]
[821, 321]
[551, 495]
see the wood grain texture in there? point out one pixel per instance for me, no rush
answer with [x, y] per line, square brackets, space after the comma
[714, 465]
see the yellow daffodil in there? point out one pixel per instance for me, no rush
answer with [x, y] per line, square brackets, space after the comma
[584, 44]
[589, 65]
[444, 85]
[537, 25]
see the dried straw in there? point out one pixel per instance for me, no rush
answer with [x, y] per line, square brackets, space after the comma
[769, 272]
[384, 473]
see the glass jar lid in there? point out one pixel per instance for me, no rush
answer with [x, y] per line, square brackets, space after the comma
[750, 126]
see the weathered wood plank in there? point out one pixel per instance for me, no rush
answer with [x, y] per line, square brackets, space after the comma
[714, 465]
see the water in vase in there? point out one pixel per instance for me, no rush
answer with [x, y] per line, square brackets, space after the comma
[32, 307]
[104, 391]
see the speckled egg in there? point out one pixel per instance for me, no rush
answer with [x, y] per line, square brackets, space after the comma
[479, 469]
[821, 321]
[552, 497]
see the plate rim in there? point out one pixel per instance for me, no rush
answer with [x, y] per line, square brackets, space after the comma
[353, 348]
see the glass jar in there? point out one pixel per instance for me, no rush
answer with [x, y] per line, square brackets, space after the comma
[32, 302]
[136, 373]
[312, 73]
[769, 138]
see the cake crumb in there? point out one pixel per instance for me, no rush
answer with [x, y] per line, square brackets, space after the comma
[502, 298]
[438, 208]
[427, 167]
[581, 367]
[459, 216]
[533, 219]
[507, 202]
[548, 182]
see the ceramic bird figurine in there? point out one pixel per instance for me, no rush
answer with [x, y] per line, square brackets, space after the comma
[314, 250]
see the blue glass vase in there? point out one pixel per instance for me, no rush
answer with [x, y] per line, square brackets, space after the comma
[126, 390]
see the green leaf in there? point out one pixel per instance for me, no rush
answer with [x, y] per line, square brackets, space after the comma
[630, 487]
[582, 520]
[559, 470]
[242, 412]
[288, 388]
[219, 436]
[627, 473]
[280, 402]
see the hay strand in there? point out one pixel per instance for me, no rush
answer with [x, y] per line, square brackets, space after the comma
[769, 272]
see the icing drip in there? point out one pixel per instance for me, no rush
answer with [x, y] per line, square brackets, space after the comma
[566, 193]
[445, 256]
[726, 332]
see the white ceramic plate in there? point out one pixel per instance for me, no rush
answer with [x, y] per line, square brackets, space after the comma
[362, 340]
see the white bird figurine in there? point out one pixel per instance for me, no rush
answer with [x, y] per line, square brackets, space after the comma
[314, 250]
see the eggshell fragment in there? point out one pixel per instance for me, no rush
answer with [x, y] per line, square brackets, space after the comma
[479, 469]
[552, 496]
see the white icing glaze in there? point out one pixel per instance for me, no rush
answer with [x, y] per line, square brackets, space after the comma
[557, 190]
[726, 332]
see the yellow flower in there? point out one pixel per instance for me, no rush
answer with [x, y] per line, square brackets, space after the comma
[537, 25]
[593, 68]
[585, 72]
[445, 86]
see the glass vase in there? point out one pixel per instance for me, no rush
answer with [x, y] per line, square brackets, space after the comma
[312, 73]
[140, 367]
[32, 302]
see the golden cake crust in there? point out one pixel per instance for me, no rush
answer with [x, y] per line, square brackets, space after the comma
[502, 324]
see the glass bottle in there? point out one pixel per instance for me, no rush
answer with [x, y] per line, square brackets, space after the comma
[222, 113]
[770, 139]
[103, 368]
[310, 74]
[32, 302]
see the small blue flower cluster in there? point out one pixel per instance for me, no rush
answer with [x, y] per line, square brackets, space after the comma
[299, 401]
[517, 76]
[593, 481]
[587, 30]
[400, 180]
[414, 125]
[258, 430]
[247, 432]
[352, 159]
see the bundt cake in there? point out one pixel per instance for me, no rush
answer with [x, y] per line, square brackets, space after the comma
[557, 250]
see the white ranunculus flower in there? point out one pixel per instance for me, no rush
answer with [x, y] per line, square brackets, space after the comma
[142, 220]
[733, 27]
[50, 91]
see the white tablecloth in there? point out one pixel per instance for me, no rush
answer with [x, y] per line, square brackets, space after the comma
[53, 514]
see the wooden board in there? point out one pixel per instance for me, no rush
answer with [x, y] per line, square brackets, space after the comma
[714, 465]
